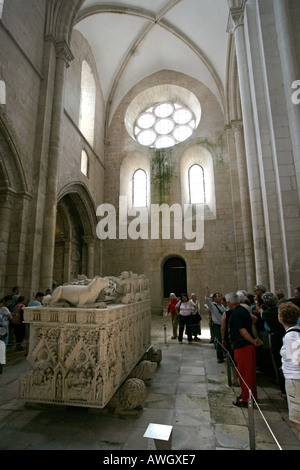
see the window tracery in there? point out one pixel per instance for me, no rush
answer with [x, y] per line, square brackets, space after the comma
[164, 125]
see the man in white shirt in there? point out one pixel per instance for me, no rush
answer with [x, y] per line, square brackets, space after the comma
[288, 314]
[216, 309]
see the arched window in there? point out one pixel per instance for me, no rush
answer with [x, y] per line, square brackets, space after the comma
[84, 163]
[196, 185]
[2, 92]
[139, 188]
[87, 103]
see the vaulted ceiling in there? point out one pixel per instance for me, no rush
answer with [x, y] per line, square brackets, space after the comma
[132, 39]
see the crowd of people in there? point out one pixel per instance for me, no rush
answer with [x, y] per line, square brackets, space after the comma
[242, 326]
[185, 312]
[13, 329]
[246, 327]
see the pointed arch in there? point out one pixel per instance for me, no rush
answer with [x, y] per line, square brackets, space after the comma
[75, 237]
[14, 206]
[11, 168]
[81, 198]
[61, 17]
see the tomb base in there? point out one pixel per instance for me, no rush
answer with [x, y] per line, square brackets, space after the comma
[80, 357]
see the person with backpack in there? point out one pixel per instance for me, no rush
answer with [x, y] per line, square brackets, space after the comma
[288, 315]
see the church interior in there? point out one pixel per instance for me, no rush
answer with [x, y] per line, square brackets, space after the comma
[158, 138]
[78, 77]
[130, 106]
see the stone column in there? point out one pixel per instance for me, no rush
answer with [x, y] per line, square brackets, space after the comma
[67, 260]
[236, 27]
[288, 60]
[237, 128]
[63, 56]
[90, 241]
[5, 217]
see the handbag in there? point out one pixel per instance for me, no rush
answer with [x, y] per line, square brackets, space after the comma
[197, 316]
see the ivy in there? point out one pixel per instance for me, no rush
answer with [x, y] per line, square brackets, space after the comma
[217, 148]
[162, 172]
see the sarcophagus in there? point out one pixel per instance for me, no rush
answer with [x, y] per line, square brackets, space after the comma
[81, 356]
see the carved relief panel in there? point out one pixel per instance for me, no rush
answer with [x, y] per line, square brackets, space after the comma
[80, 357]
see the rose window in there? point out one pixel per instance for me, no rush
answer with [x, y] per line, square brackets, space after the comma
[164, 125]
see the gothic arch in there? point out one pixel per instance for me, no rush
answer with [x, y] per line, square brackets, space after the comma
[83, 201]
[61, 18]
[131, 163]
[11, 169]
[75, 235]
[200, 156]
[14, 205]
[233, 100]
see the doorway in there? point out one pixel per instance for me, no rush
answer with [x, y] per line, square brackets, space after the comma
[174, 276]
[69, 246]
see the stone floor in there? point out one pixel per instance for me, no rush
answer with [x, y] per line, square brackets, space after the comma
[189, 391]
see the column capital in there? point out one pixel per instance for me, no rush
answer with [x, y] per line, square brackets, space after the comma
[64, 52]
[88, 239]
[62, 49]
[236, 14]
[237, 126]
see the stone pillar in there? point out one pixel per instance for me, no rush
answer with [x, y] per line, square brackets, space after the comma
[236, 27]
[67, 260]
[288, 60]
[237, 128]
[63, 56]
[90, 241]
[5, 217]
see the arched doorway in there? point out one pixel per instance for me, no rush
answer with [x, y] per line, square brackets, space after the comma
[174, 276]
[68, 254]
[77, 250]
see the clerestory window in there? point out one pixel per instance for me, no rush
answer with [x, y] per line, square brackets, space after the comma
[87, 103]
[139, 188]
[196, 185]
[84, 163]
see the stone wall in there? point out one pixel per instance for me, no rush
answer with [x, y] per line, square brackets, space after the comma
[215, 263]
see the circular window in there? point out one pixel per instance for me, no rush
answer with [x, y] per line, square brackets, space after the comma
[164, 125]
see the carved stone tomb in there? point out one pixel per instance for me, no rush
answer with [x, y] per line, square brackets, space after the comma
[81, 356]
